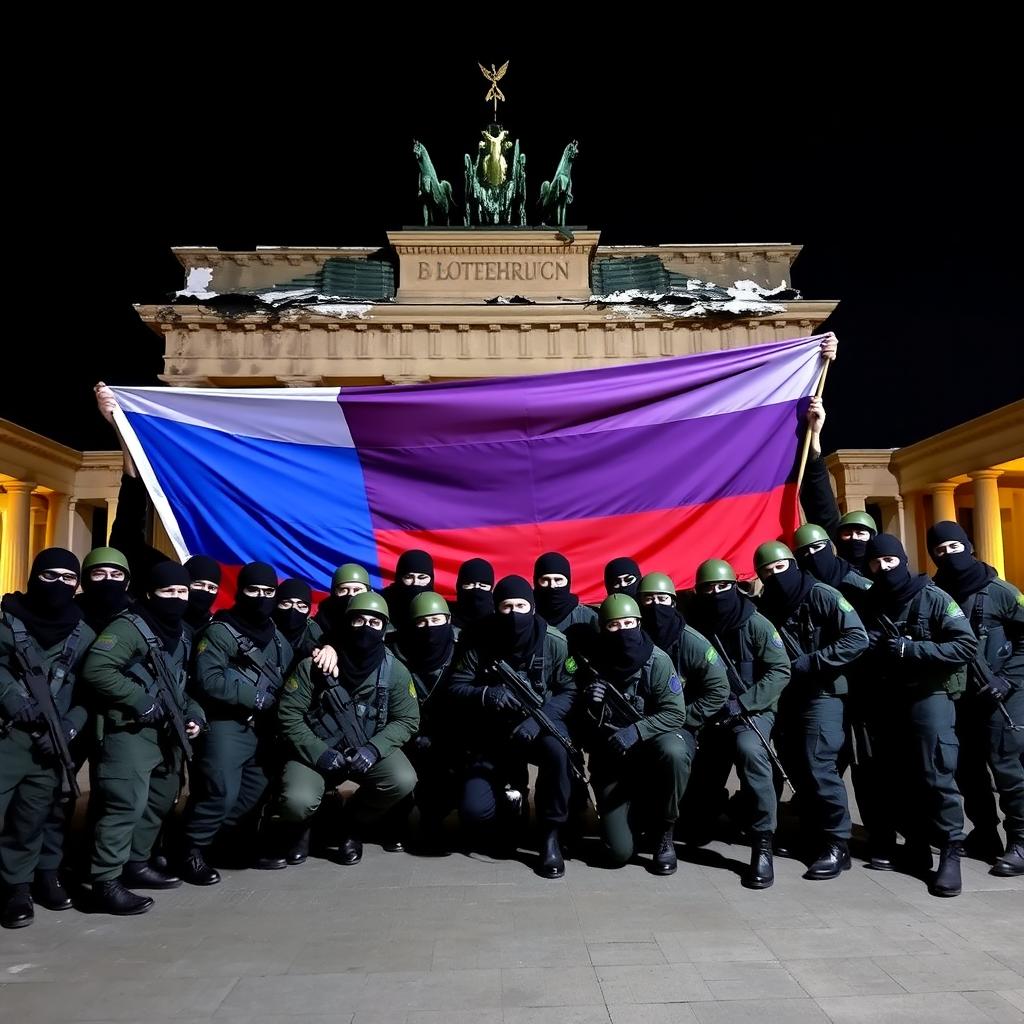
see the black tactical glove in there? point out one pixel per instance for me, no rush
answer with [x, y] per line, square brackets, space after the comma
[421, 743]
[331, 761]
[622, 741]
[527, 731]
[155, 713]
[362, 759]
[265, 700]
[26, 714]
[997, 688]
[497, 698]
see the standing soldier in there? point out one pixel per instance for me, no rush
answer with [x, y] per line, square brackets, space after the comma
[204, 585]
[348, 727]
[641, 752]
[758, 671]
[348, 580]
[291, 616]
[552, 597]
[921, 644]
[427, 649]
[43, 642]
[622, 576]
[474, 594]
[240, 663]
[822, 635]
[136, 671]
[538, 653]
[414, 574]
[990, 714]
[105, 578]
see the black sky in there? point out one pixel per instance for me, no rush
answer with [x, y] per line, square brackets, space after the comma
[901, 188]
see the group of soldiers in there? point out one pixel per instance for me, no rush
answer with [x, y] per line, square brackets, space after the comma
[641, 706]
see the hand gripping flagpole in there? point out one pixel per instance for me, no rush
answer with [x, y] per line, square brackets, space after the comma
[805, 451]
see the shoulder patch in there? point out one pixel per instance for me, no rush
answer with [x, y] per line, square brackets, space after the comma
[202, 645]
[570, 665]
[105, 642]
[953, 610]
[291, 684]
[711, 655]
[1020, 600]
[412, 688]
[845, 605]
[674, 684]
[776, 640]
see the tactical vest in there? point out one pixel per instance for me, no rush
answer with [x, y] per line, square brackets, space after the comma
[250, 665]
[993, 643]
[143, 669]
[60, 671]
[341, 722]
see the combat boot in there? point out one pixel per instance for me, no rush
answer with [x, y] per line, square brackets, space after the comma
[552, 863]
[48, 891]
[17, 910]
[665, 861]
[112, 897]
[1011, 863]
[196, 871]
[139, 875]
[761, 873]
[947, 879]
[833, 861]
[299, 850]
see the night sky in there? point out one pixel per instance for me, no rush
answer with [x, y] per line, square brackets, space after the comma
[901, 193]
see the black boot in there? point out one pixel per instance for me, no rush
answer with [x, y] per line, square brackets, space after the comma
[275, 839]
[552, 864]
[1011, 863]
[299, 850]
[947, 878]
[350, 851]
[882, 854]
[983, 844]
[832, 862]
[761, 873]
[196, 871]
[664, 861]
[48, 891]
[113, 898]
[17, 911]
[139, 875]
[393, 827]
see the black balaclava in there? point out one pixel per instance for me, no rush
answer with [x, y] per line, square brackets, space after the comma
[200, 567]
[252, 615]
[428, 647]
[894, 587]
[720, 613]
[663, 623]
[623, 652]
[824, 565]
[474, 605]
[165, 615]
[784, 591]
[552, 603]
[360, 649]
[101, 600]
[399, 596]
[292, 623]
[620, 567]
[854, 551]
[47, 609]
[960, 574]
[515, 633]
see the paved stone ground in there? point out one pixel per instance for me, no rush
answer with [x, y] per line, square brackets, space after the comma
[469, 940]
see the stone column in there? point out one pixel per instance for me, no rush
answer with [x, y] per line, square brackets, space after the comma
[57, 520]
[111, 515]
[988, 524]
[17, 540]
[943, 502]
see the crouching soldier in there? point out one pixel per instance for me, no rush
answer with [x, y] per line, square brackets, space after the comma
[136, 671]
[347, 728]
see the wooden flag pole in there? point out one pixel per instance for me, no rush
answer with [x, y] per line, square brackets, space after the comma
[805, 451]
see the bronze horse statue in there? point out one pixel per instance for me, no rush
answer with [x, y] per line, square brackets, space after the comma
[555, 195]
[436, 196]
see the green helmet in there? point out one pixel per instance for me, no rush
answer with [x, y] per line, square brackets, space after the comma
[807, 535]
[657, 583]
[771, 551]
[618, 606]
[369, 603]
[105, 557]
[715, 570]
[859, 519]
[350, 573]
[427, 603]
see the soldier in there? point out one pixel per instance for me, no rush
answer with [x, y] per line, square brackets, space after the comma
[993, 704]
[414, 574]
[622, 576]
[348, 580]
[822, 635]
[554, 601]
[136, 671]
[758, 671]
[474, 594]
[43, 642]
[204, 585]
[815, 556]
[291, 616]
[347, 728]
[427, 649]
[105, 577]
[705, 683]
[921, 644]
[641, 752]
[503, 739]
[240, 664]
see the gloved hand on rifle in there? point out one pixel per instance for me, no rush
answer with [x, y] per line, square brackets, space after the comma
[624, 740]
[26, 714]
[44, 741]
[362, 759]
[154, 714]
[733, 708]
[897, 647]
[497, 698]
[526, 731]
[800, 668]
[265, 700]
[596, 691]
[997, 688]
[331, 761]
[421, 743]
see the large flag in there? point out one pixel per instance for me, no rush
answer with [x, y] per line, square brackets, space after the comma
[670, 461]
